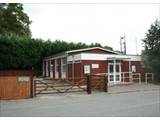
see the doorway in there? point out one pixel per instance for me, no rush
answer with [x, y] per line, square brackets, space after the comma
[114, 72]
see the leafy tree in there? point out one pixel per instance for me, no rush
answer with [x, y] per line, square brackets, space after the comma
[151, 54]
[13, 20]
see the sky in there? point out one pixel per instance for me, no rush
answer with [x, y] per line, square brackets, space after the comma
[87, 23]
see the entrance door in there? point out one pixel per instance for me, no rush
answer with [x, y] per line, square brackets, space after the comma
[117, 72]
[114, 72]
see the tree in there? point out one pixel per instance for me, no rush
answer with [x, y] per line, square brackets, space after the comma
[17, 52]
[151, 54]
[13, 20]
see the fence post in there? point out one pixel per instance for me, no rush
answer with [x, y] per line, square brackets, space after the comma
[105, 84]
[89, 84]
[31, 87]
[34, 84]
[146, 78]
[123, 77]
[152, 77]
[139, 78]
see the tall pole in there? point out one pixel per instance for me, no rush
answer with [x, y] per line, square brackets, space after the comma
[121, 44]
[124, 44]
[136, 47]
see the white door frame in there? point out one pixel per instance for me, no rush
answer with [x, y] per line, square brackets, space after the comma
[46, 68]
[56, 69]
[118, 73]
[63, 74]
[51, 69]
[114, 74]
[110, 74]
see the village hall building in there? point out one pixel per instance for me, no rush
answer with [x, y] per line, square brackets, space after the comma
[94, 61]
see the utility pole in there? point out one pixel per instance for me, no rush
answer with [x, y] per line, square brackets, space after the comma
[123, 44]
[136, 47]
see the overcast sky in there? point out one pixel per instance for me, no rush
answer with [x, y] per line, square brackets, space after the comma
[102, 23]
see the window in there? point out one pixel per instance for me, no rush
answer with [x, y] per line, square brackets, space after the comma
[64, 65]
[51, 65]
[117, 68]
[56, 66]
[111, 68]
[133, 68]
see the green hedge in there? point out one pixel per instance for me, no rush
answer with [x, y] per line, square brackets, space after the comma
[27, 53]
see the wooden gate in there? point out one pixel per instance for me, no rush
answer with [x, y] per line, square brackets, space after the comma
[85, 84]
[59, 85]
[97, 82]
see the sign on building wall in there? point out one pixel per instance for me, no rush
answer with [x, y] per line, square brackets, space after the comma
[133, 68]
[87, 69]
[23, 79]
[95, 65]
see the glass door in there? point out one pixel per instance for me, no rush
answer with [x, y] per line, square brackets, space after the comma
[118, 72]
[114, 72]
[111, 72]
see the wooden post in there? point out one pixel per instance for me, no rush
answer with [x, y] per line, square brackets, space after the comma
[152, 77]
[139, 78]
[34, 84]
[146, 78]
[105, 84]
[123, 77]
[89, 84]
[31, 87]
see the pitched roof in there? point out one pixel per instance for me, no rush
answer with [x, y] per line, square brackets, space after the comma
[85, 49]
[81, 50]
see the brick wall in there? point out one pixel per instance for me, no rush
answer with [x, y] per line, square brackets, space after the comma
[103, 66]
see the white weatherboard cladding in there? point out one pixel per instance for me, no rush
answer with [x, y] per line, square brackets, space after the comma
[74, 57]
[92, 56]
[136, 58]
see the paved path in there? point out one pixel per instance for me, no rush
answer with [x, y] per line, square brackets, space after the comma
[144, 102]
[133, 88]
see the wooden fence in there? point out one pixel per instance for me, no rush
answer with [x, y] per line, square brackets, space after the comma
[16, 84]
[20, 84]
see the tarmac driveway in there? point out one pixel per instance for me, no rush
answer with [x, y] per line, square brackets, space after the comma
[130, 100]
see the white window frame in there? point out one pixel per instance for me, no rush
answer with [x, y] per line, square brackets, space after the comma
[56, 69]
[51, 69]
[63, 74]
[47, 68]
